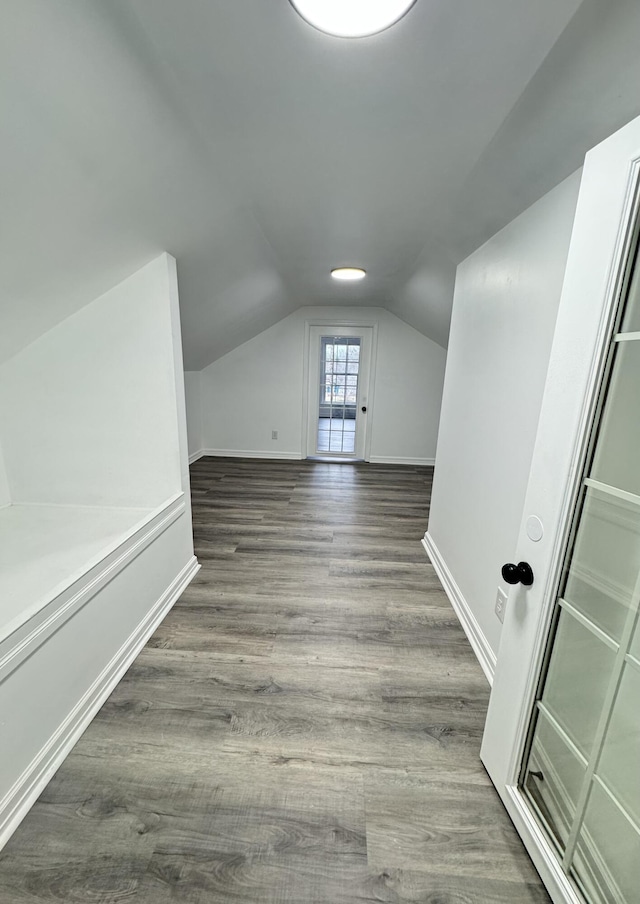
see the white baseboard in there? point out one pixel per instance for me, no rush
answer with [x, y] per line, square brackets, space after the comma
[400, 460]
[21, 797]
[296, 456]
[481, 647]
[250, 453]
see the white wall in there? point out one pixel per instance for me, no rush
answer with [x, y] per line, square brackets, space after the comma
[107, 383]
[5, 495]
[258, 388]
[88, 411]
[504, 312]
[193, 398]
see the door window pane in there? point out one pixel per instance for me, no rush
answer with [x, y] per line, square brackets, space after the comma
[616, 459]
[554, 777]
[634, 647]
[607, 860]
[337, 392]
[619, 765]
[631, 320]
[577, 680]
[605, 563]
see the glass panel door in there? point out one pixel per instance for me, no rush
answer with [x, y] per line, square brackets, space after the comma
[581, 772]
[338, 402]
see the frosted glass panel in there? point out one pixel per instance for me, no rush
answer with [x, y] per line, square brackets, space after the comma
[634, 648]
[554, 778]
[606, 561]
[616, 460]
[631, 320]
[607, 858]
[576, 685]
[620, 762]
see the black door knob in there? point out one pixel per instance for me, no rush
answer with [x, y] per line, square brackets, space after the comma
[518, 574]
[364, 408]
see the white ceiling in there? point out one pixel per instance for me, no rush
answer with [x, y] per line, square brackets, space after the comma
[261, 152]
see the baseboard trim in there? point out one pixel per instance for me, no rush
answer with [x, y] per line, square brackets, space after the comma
[251, 453]
[400, 460]
[21, 797]
[479, 643]
[296, 456]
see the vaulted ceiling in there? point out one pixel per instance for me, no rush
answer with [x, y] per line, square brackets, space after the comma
[261, 152]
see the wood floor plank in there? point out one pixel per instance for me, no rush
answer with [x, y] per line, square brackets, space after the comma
[303, 728]
[423, 823]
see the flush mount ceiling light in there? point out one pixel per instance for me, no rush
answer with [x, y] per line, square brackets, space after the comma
[348, 273]
[352, 18]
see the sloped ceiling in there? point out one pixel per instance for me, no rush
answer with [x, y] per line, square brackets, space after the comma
[261, 153]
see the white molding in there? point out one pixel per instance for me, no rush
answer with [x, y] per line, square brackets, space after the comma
[401, 460]
[475, 635]
[20, 798]
[250, 453]
[196, 455]
[22, 642]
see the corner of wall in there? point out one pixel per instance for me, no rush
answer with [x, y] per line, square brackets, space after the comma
[193, 401]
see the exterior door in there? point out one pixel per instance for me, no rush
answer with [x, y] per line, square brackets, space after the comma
[562, 739]
[338, 395]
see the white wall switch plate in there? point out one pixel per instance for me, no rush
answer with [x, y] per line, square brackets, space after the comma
[501, 604]
[274, 434]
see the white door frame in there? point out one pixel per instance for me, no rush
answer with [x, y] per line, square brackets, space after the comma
[599, 249]
[365, 392]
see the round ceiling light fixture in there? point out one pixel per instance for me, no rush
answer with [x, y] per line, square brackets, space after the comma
[348, 274]
[352, 18]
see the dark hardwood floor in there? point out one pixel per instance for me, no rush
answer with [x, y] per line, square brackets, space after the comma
[304, 727]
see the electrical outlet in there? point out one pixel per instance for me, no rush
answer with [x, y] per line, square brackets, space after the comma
[274, 434]
[501, 604]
